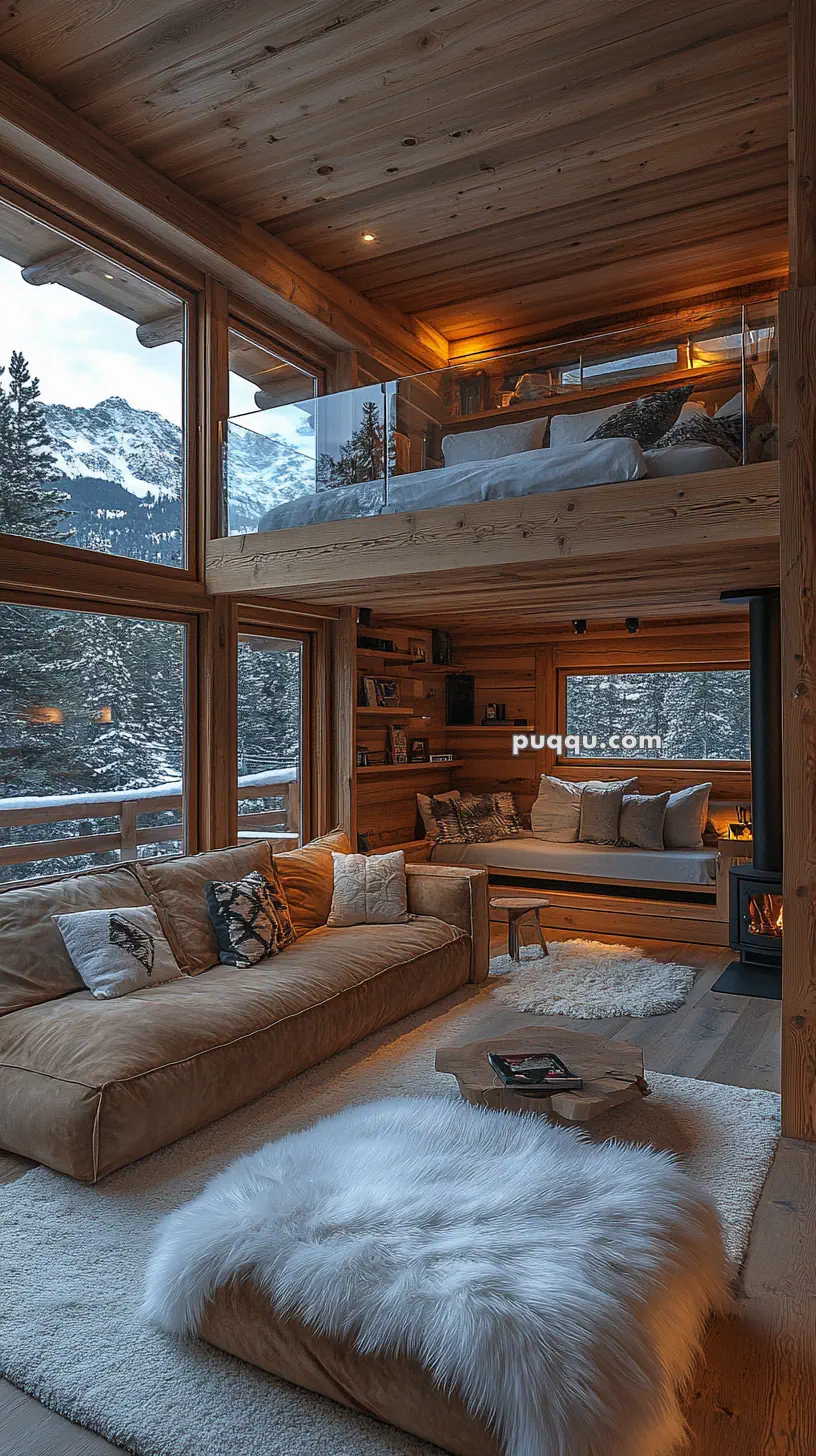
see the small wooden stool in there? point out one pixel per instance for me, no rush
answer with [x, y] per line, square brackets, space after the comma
[517, 908]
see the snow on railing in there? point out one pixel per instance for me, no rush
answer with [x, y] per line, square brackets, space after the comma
[126, 805]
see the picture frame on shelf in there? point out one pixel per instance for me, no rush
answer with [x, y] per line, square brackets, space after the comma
[418, 649]
[387, 692]
[419, 751]
[369, 692]
[397, 743]
[473, 392]
[361, 755]
[442, 758]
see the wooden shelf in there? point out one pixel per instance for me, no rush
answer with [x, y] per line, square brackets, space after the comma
[403, 657]
[398, 768]
[389, 712]
[489, 728]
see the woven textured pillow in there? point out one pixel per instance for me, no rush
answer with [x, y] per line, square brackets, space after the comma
[369, 889]
[600, 812]
[118, 951]
[485, 817]
[446, 826]
[250, 917]
[641, 820]
[701, 429]
[424, 805]
[645, 419]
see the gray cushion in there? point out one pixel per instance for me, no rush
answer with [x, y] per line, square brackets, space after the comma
[686, 817]
[600, 812]
[494, 444]
[641, 820]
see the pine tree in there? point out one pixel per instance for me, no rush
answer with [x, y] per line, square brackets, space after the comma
[26, 461]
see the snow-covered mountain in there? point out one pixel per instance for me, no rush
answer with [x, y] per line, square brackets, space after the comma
[140, 452]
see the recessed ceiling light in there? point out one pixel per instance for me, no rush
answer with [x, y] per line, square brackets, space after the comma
[108, 275]
[369, 238]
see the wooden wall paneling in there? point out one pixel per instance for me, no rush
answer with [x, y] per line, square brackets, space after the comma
[218, 726]
[343, 638]
[546, 710]
[797, 474]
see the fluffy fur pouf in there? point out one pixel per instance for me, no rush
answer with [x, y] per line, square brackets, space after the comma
[561, 1287]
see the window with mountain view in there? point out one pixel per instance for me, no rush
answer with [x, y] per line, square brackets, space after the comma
[91, 739]
[91, 399]
[698, 714]
[270, 445]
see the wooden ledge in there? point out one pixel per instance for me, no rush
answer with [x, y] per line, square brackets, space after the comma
[670, 515]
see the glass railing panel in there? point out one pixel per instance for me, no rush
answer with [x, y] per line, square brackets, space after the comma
[486, 428]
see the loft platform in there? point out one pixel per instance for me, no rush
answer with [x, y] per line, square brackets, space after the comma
[649, 544]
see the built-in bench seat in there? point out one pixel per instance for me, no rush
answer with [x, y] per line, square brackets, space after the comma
[594, 863]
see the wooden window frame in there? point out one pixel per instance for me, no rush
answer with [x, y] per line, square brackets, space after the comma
[642, 669]
[253, 623]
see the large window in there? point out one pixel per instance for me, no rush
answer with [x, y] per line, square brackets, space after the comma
[92, 399]
[270, 456]
[270, 732]
[697, 714]
[91, 739]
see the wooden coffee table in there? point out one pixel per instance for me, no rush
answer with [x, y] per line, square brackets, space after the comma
[517, 906]
[612, 1072]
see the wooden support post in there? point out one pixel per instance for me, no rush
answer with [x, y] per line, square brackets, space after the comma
[127, 829]
[218, 727]
[797, 463]
[344, 706]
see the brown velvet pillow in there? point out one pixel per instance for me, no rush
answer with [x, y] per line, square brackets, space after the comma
[307, 877]
[600, 811]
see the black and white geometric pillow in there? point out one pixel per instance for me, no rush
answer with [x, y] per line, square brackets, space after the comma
[645, 419]
[250, 917]
[118, 951]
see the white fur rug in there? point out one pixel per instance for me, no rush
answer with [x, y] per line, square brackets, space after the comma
[457, 1236]
[72, 1259]
[590, 980]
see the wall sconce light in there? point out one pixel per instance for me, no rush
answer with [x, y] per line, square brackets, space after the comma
[579, 626]
[632, 624]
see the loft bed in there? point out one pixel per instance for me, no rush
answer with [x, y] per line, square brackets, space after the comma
[525, 460]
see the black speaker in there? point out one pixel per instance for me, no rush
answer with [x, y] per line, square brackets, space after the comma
[441, 648]
[460, 699]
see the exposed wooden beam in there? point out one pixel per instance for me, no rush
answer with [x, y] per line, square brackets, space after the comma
[166, 330]
[610, 521]
[64, 264]
[38, 127]
[797, 472]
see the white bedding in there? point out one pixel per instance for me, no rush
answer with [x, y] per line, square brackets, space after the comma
[682, 867]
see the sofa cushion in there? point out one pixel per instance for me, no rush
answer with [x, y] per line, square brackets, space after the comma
[178, 889]
[87, 1086]
[307, 876]
[118, 951]
[34, 963]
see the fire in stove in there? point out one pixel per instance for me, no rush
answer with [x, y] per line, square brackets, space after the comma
[764, 915]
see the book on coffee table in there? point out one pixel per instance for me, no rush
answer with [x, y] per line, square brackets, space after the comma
[538, 1074]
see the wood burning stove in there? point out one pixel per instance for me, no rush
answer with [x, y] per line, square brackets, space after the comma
[755, 890]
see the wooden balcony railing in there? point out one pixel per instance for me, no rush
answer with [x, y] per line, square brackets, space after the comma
[281, 783]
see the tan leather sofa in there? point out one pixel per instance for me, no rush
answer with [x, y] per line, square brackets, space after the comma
[87, 1086]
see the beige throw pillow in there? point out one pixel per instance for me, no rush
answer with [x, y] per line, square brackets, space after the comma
[369, 889]
[307, 879]
[600, 812]
[556, 813]
[686, 816]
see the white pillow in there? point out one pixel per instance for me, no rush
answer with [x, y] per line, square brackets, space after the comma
[576, 429]
[731, 407]
[556, 813]
[118, 951]
[494, 444]
[686, 814]
[369, 889]
[424, 806]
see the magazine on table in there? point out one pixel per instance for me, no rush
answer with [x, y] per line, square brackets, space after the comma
[538, 1074]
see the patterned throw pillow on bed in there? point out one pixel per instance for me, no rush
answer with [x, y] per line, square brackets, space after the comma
[250, 917]
[645, 420]
[485, 817]
[702, 429]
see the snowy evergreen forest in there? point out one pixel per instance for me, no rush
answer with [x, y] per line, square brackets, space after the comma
[91, 702]
[697, 714]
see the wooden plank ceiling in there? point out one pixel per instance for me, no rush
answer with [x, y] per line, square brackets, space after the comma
[520, 166]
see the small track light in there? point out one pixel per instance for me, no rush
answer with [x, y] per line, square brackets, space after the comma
[579, 626]
[632, 624]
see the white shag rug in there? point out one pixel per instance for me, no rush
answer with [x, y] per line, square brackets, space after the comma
[590, 980]
[455, 1235]
[72, 1258]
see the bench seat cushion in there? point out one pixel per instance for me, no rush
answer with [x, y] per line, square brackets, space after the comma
[88, 1086]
